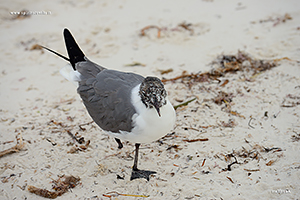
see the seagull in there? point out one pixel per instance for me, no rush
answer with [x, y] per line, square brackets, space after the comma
[125, 105]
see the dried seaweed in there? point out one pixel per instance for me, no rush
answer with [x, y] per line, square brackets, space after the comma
[59, 186]
[255, 153]
[229, 64]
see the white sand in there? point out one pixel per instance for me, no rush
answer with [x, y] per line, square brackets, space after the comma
[33, 94]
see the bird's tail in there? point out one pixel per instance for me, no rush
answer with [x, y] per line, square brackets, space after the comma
[74, 52]
[76, 72]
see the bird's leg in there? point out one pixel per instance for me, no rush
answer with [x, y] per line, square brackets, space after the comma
[136, 173]
[136, 157]
[119, 143]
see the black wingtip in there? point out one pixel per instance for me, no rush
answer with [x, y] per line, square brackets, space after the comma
[74, 52]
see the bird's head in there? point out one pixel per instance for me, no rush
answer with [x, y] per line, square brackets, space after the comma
[153, 93]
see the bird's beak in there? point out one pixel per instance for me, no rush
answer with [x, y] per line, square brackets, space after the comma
[157, 109]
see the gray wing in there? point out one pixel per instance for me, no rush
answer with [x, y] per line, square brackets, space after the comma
[107, 97]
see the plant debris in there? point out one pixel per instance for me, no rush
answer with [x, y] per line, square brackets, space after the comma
[197, 140]
[246, 155]
[183, 26]
[271, 162]
[36, 47]
[223, 97]
[252, 170]
[78, 139]
[277, 20]
[296, 137]
[290, 101]
[6, 178]
[228, 168]
[77, 148]
[151, 27]
[81, 125]
[175, 146]
[19, 146]
[165, 71]
[186, 26]
[59, 186]
[230, 124]
[135, 64]
[230, 179]
[184, 103]
[229, 64]
[266, 149]
[115, 194]
[224, 83]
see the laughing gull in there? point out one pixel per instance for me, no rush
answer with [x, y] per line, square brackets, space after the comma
[125, 105]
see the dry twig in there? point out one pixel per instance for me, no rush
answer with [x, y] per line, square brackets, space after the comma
[197, 140]
[115, 194]
[184, 103]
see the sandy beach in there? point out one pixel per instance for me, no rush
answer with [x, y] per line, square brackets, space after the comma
[231, 68]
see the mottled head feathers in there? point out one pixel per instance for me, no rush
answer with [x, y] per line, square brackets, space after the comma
[153, 93]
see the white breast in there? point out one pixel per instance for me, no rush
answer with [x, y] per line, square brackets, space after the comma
[148, 126]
